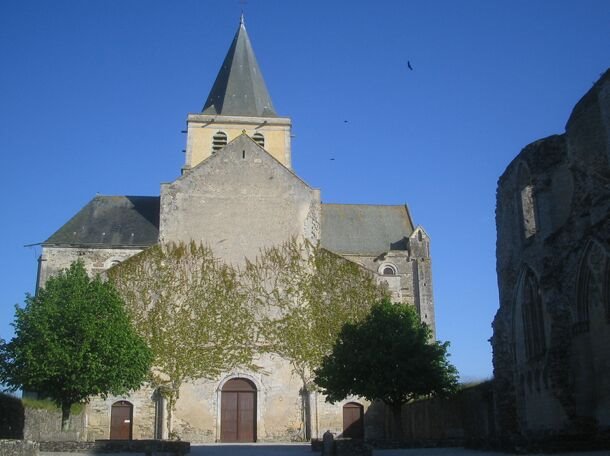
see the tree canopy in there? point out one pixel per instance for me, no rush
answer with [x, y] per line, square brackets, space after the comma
[388, 356]
[74, 340]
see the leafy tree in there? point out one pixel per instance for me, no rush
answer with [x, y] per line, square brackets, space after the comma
[74, 340]
[189, 308]
[389, 356]
[303, 295]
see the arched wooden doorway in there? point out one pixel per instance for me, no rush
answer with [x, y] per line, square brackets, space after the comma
[353, 420]
[121, 420]
[238, 411]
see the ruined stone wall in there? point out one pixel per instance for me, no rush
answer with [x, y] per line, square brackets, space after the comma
[551, 332]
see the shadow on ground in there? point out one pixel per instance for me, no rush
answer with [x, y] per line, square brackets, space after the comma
[252, 449]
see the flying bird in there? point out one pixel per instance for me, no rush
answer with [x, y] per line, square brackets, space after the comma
[409, 65]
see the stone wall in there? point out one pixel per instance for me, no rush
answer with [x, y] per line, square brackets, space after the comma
[467, 416]
[96, 260]
[551, 341]
[18, 448]
[45, 425]
[412, 283]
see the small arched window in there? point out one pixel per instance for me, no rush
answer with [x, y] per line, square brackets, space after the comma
[219, 140]
[259, 139]
[388, 270]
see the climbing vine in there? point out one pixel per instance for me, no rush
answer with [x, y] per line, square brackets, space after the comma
[303, 295]
[189, 308]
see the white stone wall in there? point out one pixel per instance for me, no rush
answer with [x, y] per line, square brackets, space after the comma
[237, 202]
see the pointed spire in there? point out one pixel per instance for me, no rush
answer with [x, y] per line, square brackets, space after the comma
[239, 89]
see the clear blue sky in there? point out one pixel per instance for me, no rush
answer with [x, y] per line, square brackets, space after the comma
[94, 95]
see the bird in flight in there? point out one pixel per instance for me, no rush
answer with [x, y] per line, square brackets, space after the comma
[409, 65]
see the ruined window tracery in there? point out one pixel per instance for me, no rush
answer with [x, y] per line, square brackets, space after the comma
[532, 317]
[527, 202]
[607, 290]
[593, 286]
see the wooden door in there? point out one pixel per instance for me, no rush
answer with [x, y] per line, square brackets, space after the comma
[238, 411]
[353, 420]
[121, 417]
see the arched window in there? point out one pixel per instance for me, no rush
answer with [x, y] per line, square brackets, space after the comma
[583, 297]
[607, 290]
[532, 317]
[259, 139]
[388, 269]
[592, 285]
[219, 140]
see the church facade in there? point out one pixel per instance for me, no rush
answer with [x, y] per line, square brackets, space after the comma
[238, 194]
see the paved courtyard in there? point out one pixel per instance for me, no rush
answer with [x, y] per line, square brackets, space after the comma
[288, 449]
[302, 450]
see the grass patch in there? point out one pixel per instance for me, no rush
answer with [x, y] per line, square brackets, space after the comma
[49, 405]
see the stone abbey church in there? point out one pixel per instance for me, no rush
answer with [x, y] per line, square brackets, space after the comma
[237, 193]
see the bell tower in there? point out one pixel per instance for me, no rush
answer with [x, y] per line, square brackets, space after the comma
[238, 102]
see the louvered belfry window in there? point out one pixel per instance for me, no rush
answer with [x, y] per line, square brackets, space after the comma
[259, 139]
[219, 141]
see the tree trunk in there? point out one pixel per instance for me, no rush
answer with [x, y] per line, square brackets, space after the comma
[397, 421]
[170, 409]
[306, 401]
[65, 416]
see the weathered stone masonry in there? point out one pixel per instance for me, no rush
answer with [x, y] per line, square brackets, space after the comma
[551, 342]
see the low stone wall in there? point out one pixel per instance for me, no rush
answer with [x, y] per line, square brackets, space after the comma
[136, 447]
[18, 448]
[468, 416]
[45, 425]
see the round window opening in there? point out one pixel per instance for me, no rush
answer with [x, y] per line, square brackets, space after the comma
[388, 270]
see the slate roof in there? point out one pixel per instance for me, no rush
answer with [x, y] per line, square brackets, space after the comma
[112, 221]
[133, 221]
[365, 229]
[239, 89]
